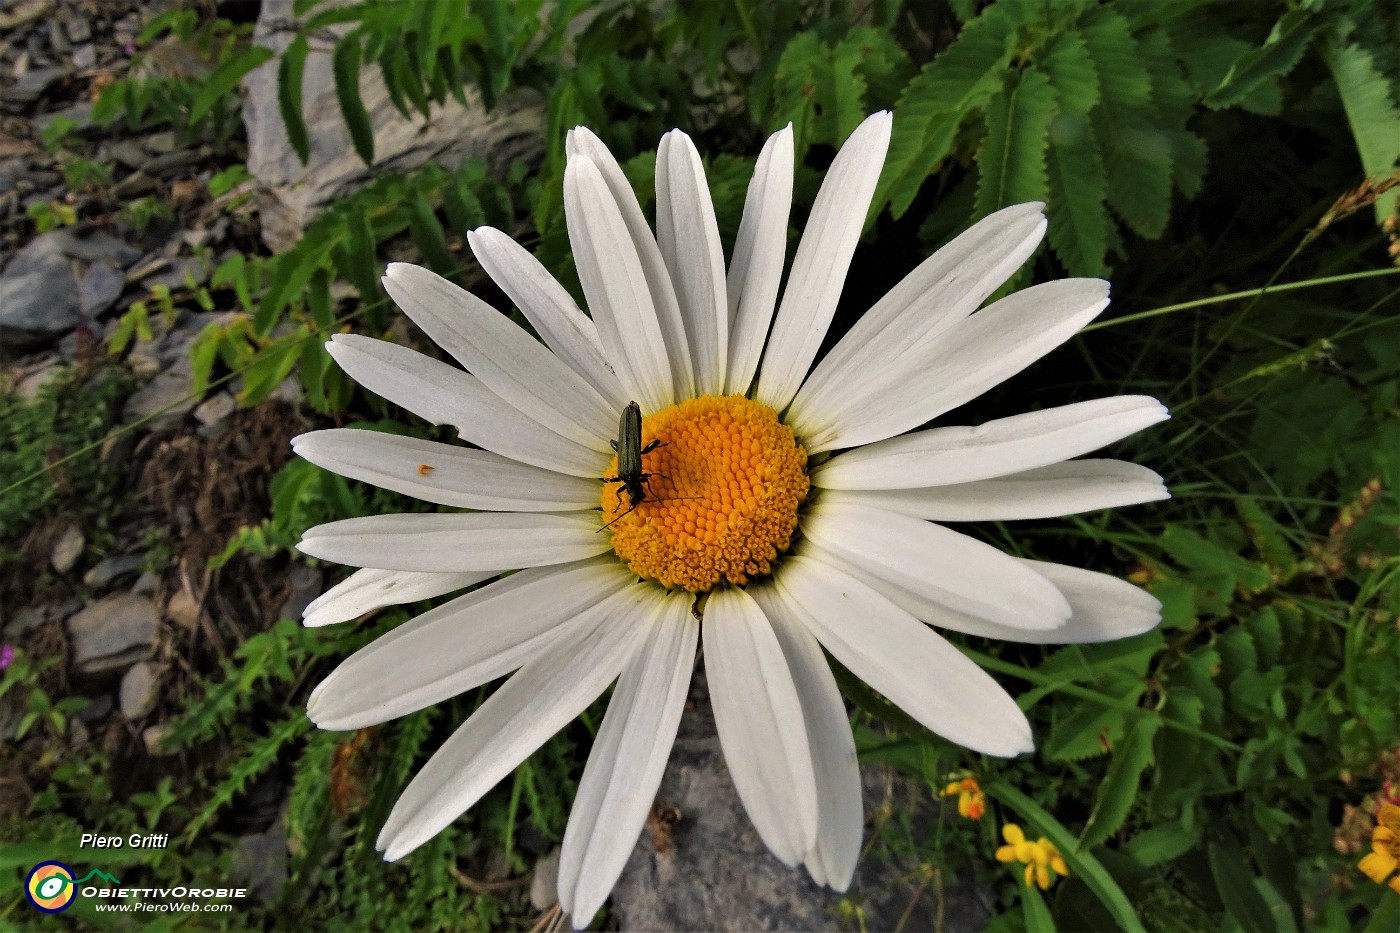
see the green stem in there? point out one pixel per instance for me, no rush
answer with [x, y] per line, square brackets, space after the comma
[1236, 296]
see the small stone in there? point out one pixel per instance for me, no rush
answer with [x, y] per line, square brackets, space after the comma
[307, 583]
[79, 29]
[159, 143]
[139, 690]
[30, 386]
[146, 584]
[182, 610]
[162, 403]
[31, 85]
[215, 409]
[85, 58]
[113, 633]
[78, 735]
[67, 549]
[27, 618]
[260, 863]
[99, 289]
[153, 738]
[544, 885]
[109, 569]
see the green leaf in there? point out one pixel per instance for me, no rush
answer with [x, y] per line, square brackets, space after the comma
[345, 64]
[1234, 882]
[1012, 158]
[952, 87]
[1372, 114]
[1121, 785]
[1081, 864]
[1034, 911]
[1193, 551]
[1071, 72]
[1078, 190]
[427, 232]
[223, 81]
[1268, 62]
[289, 91]
[1160, 844]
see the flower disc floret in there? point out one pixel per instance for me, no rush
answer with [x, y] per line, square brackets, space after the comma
[722, 495]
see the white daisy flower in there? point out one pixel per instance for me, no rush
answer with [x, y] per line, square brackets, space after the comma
[783, 510]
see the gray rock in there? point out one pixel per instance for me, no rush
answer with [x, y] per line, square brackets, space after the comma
[78, 28]
[139, 691]
[31, 385]
[97, 709]
[110, 569]
[165, 400]
[260, 864]
[27, 618]
[182, 610]
[153, 737]
[544, 881]
[40, 288]
[293, 194]
[85, 58]
[146, 584]
[215, 408]
[31, 85]
[710, 871]
[307, 583]
[113, 633]
[67, 549]
[99, 289]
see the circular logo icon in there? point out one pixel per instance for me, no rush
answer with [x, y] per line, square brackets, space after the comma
[50, 887]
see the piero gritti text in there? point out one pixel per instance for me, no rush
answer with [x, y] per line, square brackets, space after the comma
[134, 841]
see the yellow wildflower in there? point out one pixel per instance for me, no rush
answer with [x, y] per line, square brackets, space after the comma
[1039, 857]
[971, 801]
[1384, 856]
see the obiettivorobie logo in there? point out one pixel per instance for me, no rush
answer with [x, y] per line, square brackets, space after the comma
[52, 888]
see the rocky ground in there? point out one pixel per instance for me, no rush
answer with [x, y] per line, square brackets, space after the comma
[133, 608]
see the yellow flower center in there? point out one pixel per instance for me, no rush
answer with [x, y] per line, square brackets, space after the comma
[720, 498]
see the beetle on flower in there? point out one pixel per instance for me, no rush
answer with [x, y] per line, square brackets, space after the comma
[791, 511]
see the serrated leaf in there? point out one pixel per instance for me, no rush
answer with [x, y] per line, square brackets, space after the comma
[1124, 84]
[800, 67]
[1012, 158]
[1078, 192]
[1071, 72]
[1373, 116]
[956, 84]
[345, 64]
[1092, 730]
[219, 84]
[289, 96]
[1268, 62]
[1191, 550]
[1082, 865]
[1121, 784]
[847, 89]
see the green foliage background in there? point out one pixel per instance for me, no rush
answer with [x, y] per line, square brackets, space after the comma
[1192, 151]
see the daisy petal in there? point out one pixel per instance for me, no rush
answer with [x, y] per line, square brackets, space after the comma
[367, 590]
[943, 290]
[507, 360]
[616, 287]
[462, 644]
[761, 728]
[582, 143]
[938, 563]
[628, 758]
[832, 861]
[822, 259]
[980, 352]
[915, 668]
[442, 394]
[543, 696]
[756, 268]
[688, 236]
[549, 308]
[442, 473]
[1046, 492]
[946, 456]
[449, 543]
[1102, 607]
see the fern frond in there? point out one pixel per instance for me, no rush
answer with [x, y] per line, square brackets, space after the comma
[1012, 159]
[1078, 187]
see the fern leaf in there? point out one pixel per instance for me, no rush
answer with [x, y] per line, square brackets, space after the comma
[1118, 61]
[1268, 62]
[800, 68]
[959, 82]
[1078, 192]
[846, 90]
[1012, 159]
[1372, 113]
